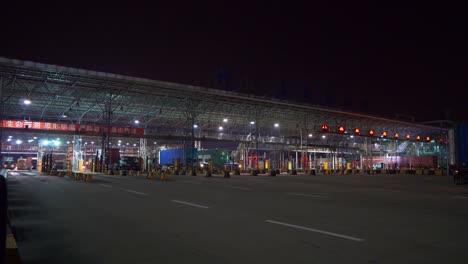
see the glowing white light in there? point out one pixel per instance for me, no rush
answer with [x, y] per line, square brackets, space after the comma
[27, 101]
[220, 128]
[323, 136]
[252, 122]
[276, 125]
[310, 135]
[137, 121]
[18, 141]
[195, 126]
[225, 120]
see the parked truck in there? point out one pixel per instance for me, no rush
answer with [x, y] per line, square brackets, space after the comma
[168, 157]
[460, 169]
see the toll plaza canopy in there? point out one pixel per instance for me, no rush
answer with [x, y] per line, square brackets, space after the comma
[40, 95]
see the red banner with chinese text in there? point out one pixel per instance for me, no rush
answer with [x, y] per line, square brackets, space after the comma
[72, 127]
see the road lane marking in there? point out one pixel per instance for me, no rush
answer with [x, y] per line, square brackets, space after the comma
[192, 204]
[235, 187]
[460, 197]
[132, 191]
[308, 195]
[190, 182]
[317, 231]
[105, 185]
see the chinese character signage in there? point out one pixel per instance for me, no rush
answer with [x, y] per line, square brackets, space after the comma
[96, 129]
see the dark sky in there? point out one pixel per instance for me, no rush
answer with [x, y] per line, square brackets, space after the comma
[382, 60]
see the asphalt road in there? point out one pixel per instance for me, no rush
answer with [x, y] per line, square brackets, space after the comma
[244, 219]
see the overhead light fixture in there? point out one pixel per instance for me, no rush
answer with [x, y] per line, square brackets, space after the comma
[220, 128]
[276, 125]
[310, 135]
[27, 102]
[225, 120]
[64, 116]
[19, 141]
[252, 122]
[137, 121]
[195, 126]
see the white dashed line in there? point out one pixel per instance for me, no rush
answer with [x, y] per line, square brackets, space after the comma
[308, 195]
[190, 182]
[317, 231]
[235, 187]
[192, 204]
[132, 191]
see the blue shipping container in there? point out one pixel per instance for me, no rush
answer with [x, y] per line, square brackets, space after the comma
[463, 143]
[168, 156]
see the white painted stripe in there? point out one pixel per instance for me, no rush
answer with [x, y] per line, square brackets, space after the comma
[105, 185]
[460, 197]
[235, 187]
[190, 182]
[317, 231]
[308, 195]
[192, 204]
[132, 191]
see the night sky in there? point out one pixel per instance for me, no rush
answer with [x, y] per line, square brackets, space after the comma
[381, 60]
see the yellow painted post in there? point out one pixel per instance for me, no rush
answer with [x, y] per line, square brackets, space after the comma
[89, 177]
[163, 176]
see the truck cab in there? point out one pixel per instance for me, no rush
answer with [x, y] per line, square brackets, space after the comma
[460, 174]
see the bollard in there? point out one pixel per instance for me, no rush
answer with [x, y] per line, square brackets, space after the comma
[89, 178]
[164, 176]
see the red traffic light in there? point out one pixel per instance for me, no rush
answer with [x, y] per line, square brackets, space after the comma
[384, 134]
[396, 135]
[371, 132]
[341, 129]
[428, 139]
[441, 140]
[325, 128]
[357, 131]
[418, 138]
